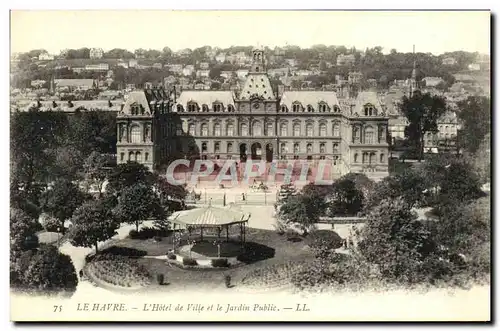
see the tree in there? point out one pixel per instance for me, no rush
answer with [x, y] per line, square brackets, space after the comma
[395, 240]
[94, 172]
[475, 113]
[422, 112]
[324, 242]
[361, 182]
[128, 174]
[346, 199]
[214, 72]
[49, 270]
[92, 222]
[300, 210]
[61, 200]
[136, 204]
[22, 231]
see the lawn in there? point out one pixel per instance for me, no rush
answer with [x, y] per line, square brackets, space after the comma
[264, 250]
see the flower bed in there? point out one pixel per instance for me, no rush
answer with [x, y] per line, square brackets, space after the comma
[119, 271]
[273, 275]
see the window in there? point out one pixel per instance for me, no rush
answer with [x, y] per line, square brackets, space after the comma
[296, 129]
[382, 134]
[256, 129]
[336, 160]
[322, 157]
[230, 108]
[309, 148]
[335, 147]
[336, 109]
[369, 135]
[322, 107]
[310, 109]
[179, 130]
[284, 109]
[372, 158]
[296, 148]
[283, 148]
[204, 108]
[204, 147]
[322, 130]
[446, 128]
[192, 129]
[217, 107]
[192, 107]
[135, 134]
[138, 157]
[322, 148]
[230, 130]
[356, 158]
[365, 157]
[244, 129]
[146, 156]
[217, 147]
[229, 147]
[204, 129]
[283, 129]
[336, 130]
[309, 130]
[296, 107]
[131, 156]
[270, 129]
[217, 129]
[122, 156]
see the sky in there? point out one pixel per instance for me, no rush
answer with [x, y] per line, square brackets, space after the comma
[434, 32]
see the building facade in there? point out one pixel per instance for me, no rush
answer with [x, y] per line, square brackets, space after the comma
[255, 123]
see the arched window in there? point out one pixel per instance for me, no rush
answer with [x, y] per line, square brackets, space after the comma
[257, 129]
[283, 148]
[138, 157]
[309, 148]
[135, 134]
[322, 130]
[309, 130]
[296, 148]
[146, 156]
[204, 129]
[230, 108]
[192, 129]
[244, 129]
[336, 109]
[335, 147]
[310, 109]
[372, 158]
[217, 107]
[131, 156]
[192, 107]
[296, 129]
[382, 134]
[204, 147]
[230, 130]
[296, 107]
[284, 109]
[323, 107]
[369, 135]
[204, 108]
[356, 135]
[180, 109]
[217, 147]
[336, 129]
[322, 148]
[270, 129]
[217, 129]
[446, 129]
[365, 157]
[356, 158]
[229, 147]
[283, 129]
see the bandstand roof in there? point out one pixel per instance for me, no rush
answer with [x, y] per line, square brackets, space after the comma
[209, 217]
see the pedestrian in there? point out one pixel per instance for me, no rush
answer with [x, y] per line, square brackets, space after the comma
[227, 281]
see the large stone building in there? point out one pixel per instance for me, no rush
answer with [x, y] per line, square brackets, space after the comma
[255, 123]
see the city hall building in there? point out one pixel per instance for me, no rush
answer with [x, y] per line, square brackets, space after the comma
[156, 127]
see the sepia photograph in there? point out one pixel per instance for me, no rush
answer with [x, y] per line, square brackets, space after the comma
[239, 166]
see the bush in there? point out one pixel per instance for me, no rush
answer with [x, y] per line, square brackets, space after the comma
[220, 263]
[187, 261]
[171, 256]
[280, 227]
[292, 235]
[157, 238]
[324, 242]
[133, 234]
[118, 270]
[49, 223]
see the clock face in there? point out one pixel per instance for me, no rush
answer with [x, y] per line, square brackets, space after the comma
[256, 105]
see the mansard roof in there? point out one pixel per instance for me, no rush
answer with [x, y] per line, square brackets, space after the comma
[313, 98]
[136, 97]
[367, 97]
[206, 97]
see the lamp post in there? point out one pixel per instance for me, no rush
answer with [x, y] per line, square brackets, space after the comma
[58, 237]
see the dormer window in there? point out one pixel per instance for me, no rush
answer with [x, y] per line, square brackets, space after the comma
[323, 107]
[230, 108]
[336, 109]
[134, 109]
[284, 109]
[370, 110]
[204, 108]
[296, 107]
[217, 107]
[180, 109]
[310, 109]
[192, 107]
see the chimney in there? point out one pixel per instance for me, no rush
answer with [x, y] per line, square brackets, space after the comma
[281, 90]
